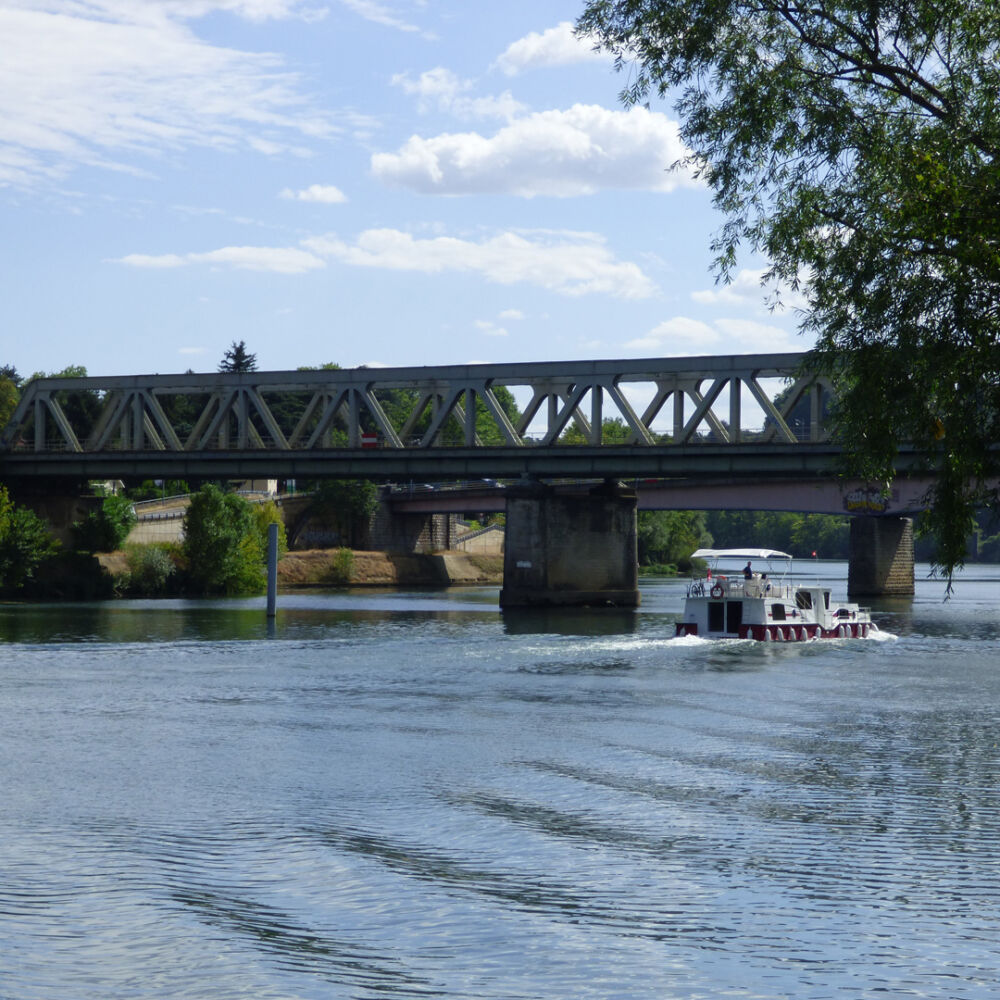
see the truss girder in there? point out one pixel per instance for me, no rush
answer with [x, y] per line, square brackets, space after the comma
[426, 408]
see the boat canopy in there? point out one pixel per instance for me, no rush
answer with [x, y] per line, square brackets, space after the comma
[740, 554]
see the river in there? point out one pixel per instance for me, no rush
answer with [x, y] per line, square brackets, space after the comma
[409, 794]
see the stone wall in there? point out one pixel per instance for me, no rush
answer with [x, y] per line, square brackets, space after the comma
[881, 557]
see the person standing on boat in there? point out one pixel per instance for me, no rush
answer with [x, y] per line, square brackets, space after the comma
[747, 571]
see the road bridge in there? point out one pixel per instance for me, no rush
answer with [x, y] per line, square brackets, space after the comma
[739, 420]
[815, 496]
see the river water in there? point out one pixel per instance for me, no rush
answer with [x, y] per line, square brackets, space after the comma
[408, 794]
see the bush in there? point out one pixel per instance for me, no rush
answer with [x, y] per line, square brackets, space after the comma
[25, 543]
[265, 514]
[155, 489]
[341, 568]
[150, 569]
[105, 529]
[223, 547]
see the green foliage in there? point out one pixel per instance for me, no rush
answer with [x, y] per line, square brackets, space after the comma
[9, 396]
[348, 503]
[238, 359]
[265, 514]
[670, 536]
[341, 568]
[105, 529]
[222, 546]
[855, 145]
[799, 534]
[25, 543]
[151, 568]
[614, 430]
[154, 489]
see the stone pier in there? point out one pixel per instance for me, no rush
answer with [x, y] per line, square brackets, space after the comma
[880, 557]
[565, 550]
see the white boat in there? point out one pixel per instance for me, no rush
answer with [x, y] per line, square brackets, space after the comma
[764, 605]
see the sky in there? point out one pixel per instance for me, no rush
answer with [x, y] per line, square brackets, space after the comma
[366, 182]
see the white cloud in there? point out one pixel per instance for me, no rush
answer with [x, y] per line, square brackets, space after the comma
[278, 260]
[164, 260]
[750, 337]
[558, 153]
[326, 194]
[489, 329]
[95, 81]
[557, 46]
[512, 314]
[748, 291]
[378, 13]
[682, 336]
[570, 264]
[440, 88]
[565, 263]
[678, 336]
[252, 10]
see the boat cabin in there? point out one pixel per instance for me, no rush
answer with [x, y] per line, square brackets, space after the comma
[765, 605]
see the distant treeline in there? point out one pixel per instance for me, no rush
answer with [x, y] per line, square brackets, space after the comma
[668, 537]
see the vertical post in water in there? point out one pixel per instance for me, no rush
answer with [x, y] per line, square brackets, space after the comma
[272, 568]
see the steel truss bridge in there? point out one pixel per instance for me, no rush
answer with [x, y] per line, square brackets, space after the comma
[680, 417]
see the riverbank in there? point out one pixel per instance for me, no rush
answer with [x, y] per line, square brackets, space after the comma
[353, 568]
[327, 567]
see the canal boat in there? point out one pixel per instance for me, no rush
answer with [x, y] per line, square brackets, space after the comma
[764, 604]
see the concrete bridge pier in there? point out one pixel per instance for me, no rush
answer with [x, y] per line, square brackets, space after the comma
[880, 557]
[564, 550]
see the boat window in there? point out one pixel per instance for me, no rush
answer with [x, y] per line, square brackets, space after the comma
[804, 599]
[778, 612]
[826, 599]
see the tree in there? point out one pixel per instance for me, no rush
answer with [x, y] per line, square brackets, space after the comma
[670, 536]
[105, 529]
[238, 359]
[222, 545]
[855, 143]
[25, 542]
[8, 399]
[348, 503]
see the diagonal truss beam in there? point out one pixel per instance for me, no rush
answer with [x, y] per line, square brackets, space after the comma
[660, 403]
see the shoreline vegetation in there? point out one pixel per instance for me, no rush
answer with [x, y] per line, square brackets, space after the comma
[127, 573]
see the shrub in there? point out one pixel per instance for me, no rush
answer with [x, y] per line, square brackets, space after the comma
[341, 567]
[105, 529]
[25, 543]
[150, 568]
[222, 545]
[265, 514]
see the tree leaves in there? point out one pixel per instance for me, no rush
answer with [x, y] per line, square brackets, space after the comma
[856, 141]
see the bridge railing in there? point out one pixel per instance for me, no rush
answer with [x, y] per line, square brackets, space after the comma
[651, 403]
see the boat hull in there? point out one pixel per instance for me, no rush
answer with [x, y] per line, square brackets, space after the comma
[783, 633]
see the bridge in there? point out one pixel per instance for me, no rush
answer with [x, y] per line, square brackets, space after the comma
[672, 417]
[738, 421]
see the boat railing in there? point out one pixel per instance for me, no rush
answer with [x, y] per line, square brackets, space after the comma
[721, 587]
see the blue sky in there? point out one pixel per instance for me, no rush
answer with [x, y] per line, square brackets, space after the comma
[382, 182]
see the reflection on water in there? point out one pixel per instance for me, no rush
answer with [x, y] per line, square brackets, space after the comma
[412, 794]
[570, 621]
